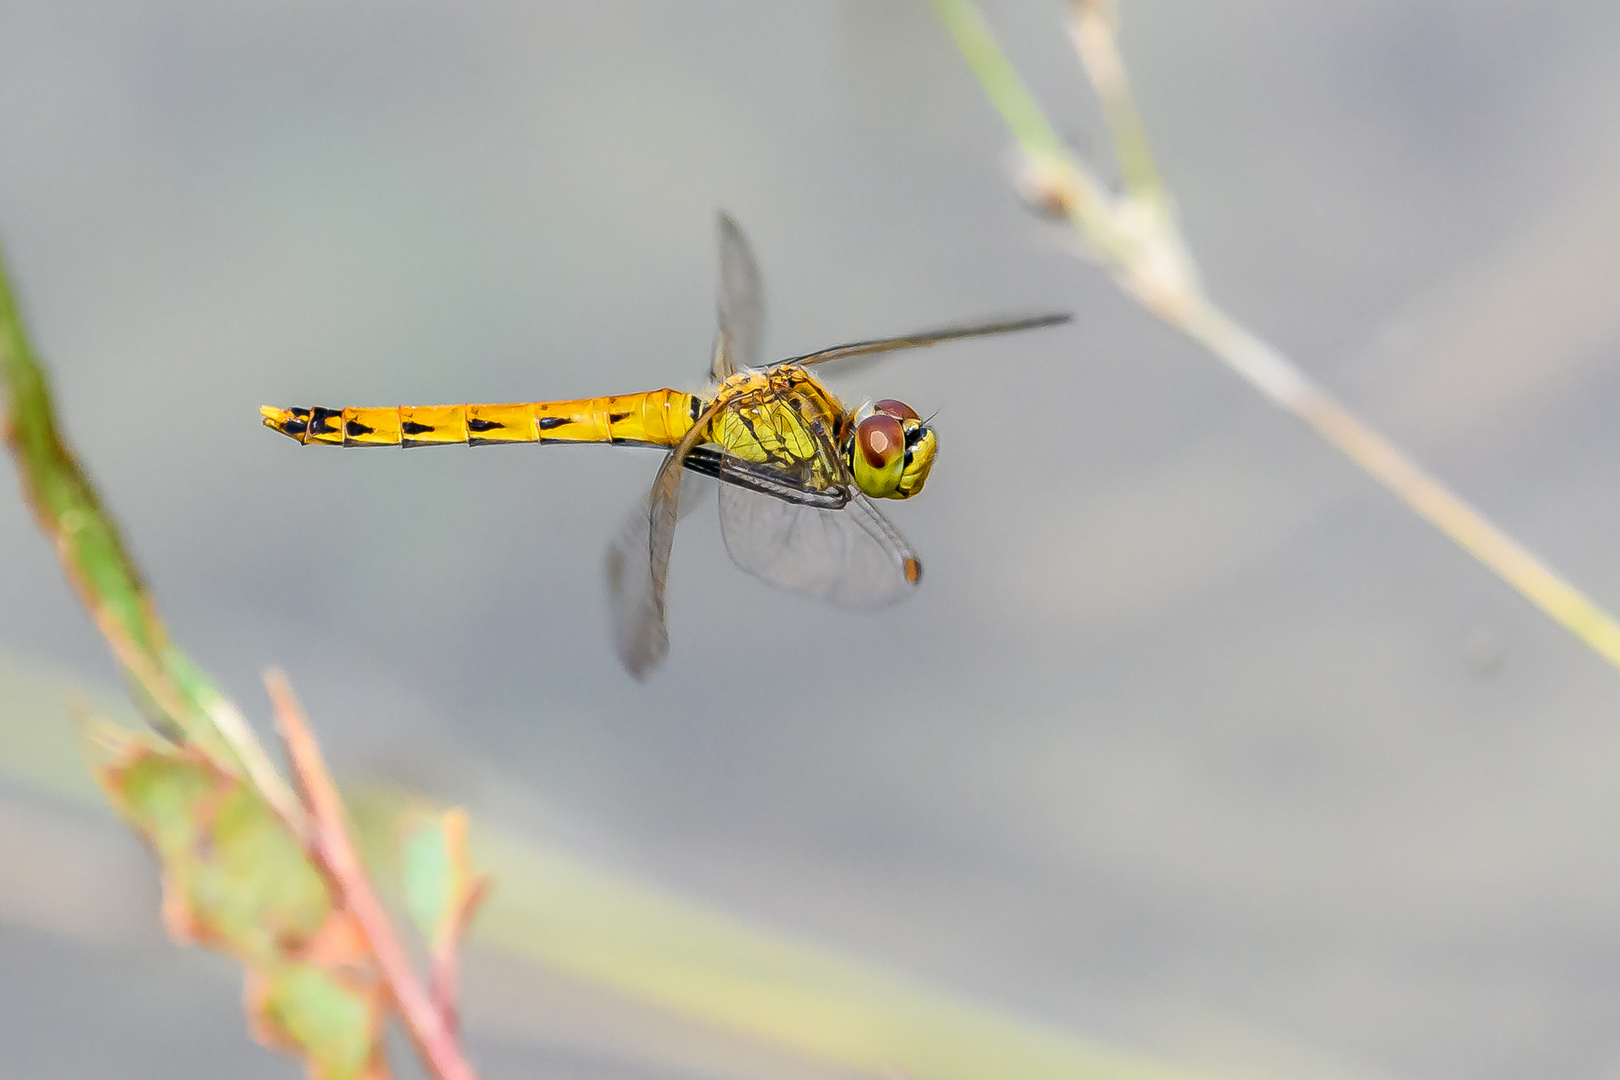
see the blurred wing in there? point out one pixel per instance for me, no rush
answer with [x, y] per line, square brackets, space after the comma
[638, 561]
[741, 304]
[639, 633]
[851, 557]
[925, 337]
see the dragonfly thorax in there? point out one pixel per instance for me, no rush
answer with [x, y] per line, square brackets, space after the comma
[782, 419]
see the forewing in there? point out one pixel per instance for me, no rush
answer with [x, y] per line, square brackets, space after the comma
[852, 557]
[741, 304]
[924, 338]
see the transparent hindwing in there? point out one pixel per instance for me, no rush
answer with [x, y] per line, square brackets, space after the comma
[850, 556]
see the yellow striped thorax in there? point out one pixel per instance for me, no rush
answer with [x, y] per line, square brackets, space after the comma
[784, 418]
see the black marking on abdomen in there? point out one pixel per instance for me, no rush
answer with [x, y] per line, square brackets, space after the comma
[618, 417]
[411, 427]
[318, 418]
[696, 408]
[295, 428]
[547, 423]
[475, 424]
[354, 429]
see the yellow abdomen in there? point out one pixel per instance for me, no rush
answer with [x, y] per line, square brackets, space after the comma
[654, 418]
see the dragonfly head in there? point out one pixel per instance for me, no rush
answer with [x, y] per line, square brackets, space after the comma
[890, 451]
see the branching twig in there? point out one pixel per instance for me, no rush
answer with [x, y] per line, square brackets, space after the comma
[1135, 236]
[248, 869]
[469, 893]
[429, 1028]
[444, 985]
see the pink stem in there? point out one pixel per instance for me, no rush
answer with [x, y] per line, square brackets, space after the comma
[431, 1029]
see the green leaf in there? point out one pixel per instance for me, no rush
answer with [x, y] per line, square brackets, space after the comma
[235, 876]
[238, 879]
[315, 1014]
[441, 888]
[92, 551]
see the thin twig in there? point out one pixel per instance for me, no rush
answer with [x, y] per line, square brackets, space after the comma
[1092, 27]
[445, 939]
[444, 980]
[435, 1039]
[1135, 236]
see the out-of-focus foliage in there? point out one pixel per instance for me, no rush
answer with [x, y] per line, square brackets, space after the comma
[236, 879]
[617, 933]
[1136, 236]
[603, 928]
[442, 890]
[92, 552]
[242, 873]
[578, 919]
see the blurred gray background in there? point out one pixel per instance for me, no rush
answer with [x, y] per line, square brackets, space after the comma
[1194, 741]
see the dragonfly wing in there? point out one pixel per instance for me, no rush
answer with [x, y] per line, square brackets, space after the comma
[852, 557]
[741, 304]
[924, 338]
[639, 632]
[638, 560]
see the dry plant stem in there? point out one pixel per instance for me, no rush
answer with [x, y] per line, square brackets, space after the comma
[1135, 236]
[433, 1036]
[442, 990]
[1464, 525]
[1092, 28]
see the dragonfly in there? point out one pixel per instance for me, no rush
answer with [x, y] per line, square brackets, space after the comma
[797, 469]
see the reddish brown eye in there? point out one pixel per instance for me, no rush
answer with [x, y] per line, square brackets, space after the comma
[880, 438]
[897, 409]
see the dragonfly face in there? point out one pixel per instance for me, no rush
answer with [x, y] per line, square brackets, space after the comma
[890, 450]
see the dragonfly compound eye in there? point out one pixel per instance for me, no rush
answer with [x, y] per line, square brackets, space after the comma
[878, 455]
[897, 409]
